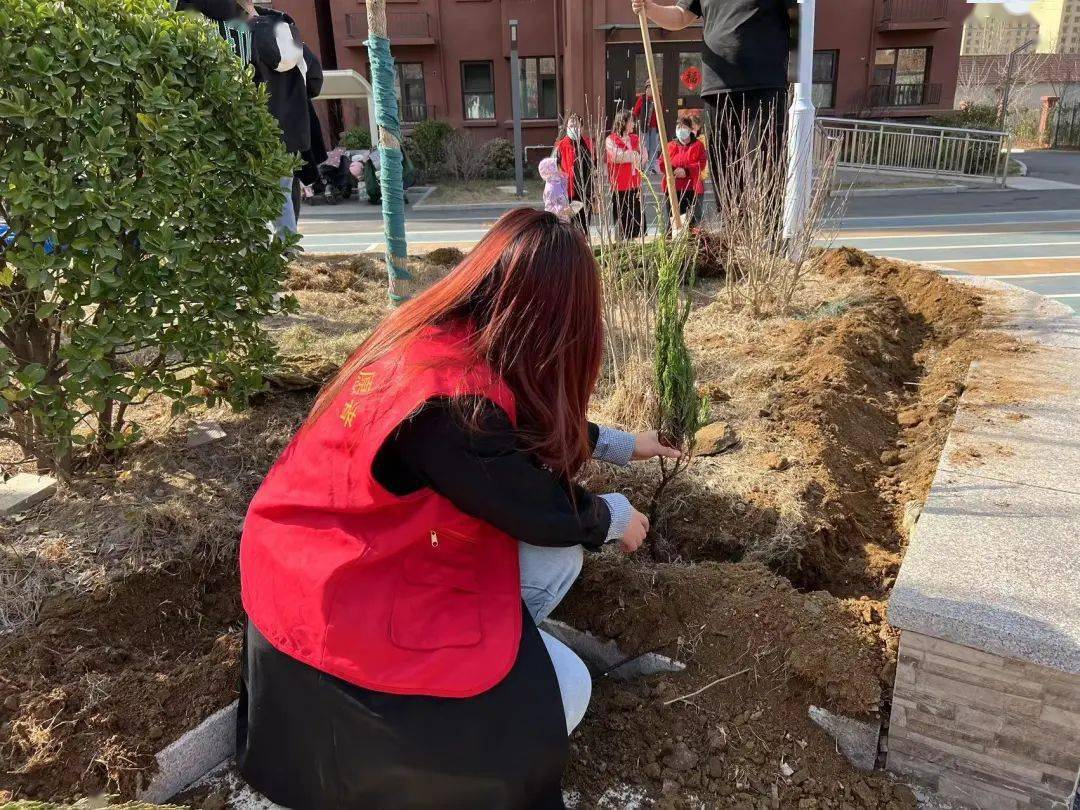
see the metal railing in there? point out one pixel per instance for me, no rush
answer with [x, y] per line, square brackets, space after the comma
[904, 11]
[939, 151]
[904, 95]
[415, 113]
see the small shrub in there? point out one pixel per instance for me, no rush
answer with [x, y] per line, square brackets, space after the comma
[427, 147]
[498, 159]
[969, 116]
[139, 168]
[464, 160]
[356, 138]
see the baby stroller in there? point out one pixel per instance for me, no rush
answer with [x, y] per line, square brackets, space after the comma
[335, 182]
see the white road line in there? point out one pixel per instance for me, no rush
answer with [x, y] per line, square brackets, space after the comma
[943, 234]
[947, 261]
[998, 245]
[969, 214]
[1037, 275]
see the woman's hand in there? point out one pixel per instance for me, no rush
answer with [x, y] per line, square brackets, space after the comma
[648, 445]
[636, 532]
[680, 173]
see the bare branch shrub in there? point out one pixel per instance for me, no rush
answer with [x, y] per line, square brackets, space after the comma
[464, 159]
[763, 266]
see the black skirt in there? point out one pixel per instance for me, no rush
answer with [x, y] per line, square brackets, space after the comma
[306, 739]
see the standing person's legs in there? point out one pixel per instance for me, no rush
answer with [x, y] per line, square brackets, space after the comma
[652, 149]
[618, 213]
[637, 213]
[286, 221]
[546, 575]
[714, 111]
[297, 195]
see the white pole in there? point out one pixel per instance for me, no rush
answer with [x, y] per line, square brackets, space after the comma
[800, 177]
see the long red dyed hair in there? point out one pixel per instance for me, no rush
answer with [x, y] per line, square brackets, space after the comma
[530, 293]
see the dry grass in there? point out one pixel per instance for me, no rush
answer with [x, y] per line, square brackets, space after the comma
[37, 742]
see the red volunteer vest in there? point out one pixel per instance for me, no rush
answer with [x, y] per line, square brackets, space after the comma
[624, 176]
[407, 595]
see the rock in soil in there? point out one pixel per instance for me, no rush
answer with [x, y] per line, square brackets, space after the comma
[714, 439]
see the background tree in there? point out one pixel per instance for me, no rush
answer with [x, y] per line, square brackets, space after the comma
[139, 170]
[389, 140]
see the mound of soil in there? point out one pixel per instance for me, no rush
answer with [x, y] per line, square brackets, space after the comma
[732, 729]
[839, 413]
[104, 681]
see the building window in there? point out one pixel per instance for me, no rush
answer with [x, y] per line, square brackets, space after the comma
[409, 88]
[538, 95]
[478, 91]
[824, 91]
[900, 78]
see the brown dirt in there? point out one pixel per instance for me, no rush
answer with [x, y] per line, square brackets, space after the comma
[122, 601]
[104, 681]
[730, 744]
[125, 588]
[841, 410]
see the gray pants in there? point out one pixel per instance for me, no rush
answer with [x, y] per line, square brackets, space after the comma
[546, 576]
[286, 221]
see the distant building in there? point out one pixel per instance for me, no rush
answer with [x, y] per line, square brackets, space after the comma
[1034, 77]
[1053, 24]
[875, 58]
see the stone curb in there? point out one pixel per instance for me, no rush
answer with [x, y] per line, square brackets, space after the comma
[991, 563]
[191, 757]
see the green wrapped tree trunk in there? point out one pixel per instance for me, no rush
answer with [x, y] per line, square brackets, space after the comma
[389, 140]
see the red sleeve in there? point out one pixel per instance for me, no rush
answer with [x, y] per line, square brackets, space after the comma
[566, 157]
[701, 157]
[638, 105]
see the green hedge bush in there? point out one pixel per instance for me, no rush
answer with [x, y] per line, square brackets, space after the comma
[139, 170]
[356, 138]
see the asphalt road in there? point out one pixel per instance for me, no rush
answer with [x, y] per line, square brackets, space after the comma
[1028, 238]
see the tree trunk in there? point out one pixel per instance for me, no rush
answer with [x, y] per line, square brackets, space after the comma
[389, 142]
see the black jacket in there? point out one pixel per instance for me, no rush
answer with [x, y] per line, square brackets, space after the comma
[290, 89]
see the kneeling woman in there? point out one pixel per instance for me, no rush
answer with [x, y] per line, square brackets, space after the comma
[400, 553]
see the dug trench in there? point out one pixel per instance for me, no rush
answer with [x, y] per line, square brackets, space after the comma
[830, 422]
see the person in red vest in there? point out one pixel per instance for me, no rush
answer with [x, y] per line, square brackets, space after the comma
[624, 161]
[577, 160]
[688, 160]
[398, 557]
[644, 102]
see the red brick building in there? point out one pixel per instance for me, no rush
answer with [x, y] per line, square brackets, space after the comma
[879, 58]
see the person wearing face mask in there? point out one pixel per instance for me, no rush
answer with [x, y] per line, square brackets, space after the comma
[688, 160]
[577, 159]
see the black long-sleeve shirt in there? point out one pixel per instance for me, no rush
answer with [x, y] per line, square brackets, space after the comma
[485, 472]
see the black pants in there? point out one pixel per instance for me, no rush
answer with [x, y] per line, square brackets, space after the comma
[688, 207]
[629, 215]
[583, 216]
[739, 114]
